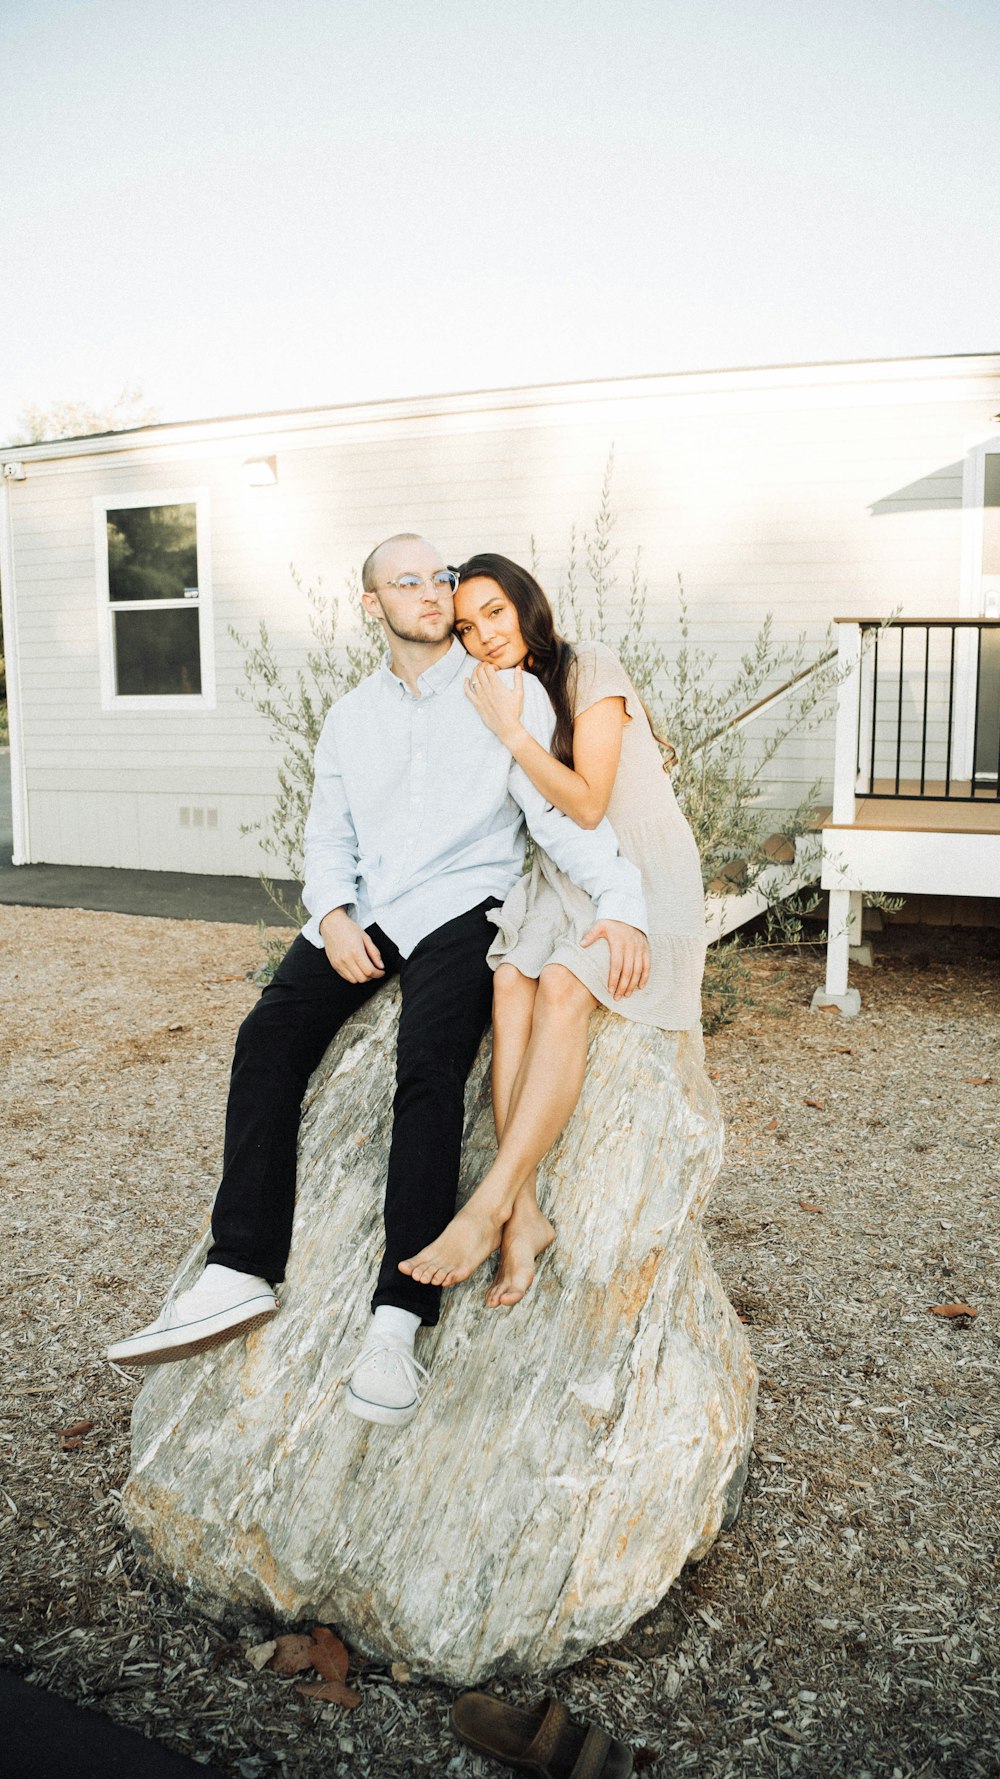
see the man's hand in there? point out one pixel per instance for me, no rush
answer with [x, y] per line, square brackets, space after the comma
[349, 949]
[629, 955]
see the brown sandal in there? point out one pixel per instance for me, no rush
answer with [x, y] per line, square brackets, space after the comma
[545, 1741]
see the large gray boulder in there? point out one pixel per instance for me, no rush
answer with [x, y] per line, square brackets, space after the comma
[572, 1452]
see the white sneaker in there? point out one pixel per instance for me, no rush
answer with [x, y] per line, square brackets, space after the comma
[222, 1304]
[387, 1381]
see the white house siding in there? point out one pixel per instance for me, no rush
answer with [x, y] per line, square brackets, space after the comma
[811, 493]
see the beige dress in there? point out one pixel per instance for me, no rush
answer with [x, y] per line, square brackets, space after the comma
[545, 915]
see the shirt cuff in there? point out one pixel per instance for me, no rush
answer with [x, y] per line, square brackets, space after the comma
[618, 905]
[322, 897]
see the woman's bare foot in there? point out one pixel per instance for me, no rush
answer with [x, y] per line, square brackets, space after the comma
[469, 1239]
[526, 1235]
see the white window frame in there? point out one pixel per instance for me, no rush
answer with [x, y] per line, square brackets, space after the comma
[111, 699]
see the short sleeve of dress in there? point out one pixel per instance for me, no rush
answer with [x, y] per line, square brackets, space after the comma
[600, 674]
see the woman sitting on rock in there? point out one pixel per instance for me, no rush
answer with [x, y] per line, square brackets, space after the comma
[551, 971]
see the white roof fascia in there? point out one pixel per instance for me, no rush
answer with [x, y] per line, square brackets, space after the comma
[959, 378]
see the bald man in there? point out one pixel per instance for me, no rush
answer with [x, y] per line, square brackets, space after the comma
[416, 831]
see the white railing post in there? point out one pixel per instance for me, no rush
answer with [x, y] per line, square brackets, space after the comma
[845, 768]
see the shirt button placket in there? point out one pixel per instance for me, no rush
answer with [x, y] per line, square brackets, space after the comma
[418, 770]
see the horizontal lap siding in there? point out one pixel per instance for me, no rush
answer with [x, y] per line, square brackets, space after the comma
[809, 510]
[142, 829]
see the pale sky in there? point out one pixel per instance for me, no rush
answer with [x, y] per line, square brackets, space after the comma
[246, 205]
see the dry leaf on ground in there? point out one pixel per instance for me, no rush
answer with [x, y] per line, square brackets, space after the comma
[804, 1205]
[329, 1654]
[292, 1654]
[953, 1309]
[820, 1105]
[333, 1692]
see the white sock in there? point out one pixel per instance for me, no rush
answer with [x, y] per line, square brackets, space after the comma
[403, 1324]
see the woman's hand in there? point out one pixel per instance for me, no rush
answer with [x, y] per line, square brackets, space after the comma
[629, 950]
[499, 706]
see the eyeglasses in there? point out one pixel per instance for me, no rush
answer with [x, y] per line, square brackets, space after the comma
[445, 580]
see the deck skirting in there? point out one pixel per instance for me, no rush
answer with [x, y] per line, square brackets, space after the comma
[905, 861]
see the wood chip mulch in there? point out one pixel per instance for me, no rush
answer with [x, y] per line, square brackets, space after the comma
[847, 1625]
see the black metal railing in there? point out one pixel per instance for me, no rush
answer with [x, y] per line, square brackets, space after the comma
[929, 709]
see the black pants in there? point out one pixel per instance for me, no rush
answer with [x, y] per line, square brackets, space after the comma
[447, 993]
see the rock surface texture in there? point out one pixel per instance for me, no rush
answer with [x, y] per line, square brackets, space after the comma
[572, 1453]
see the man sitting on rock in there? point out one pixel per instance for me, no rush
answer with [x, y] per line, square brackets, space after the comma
[415, 832]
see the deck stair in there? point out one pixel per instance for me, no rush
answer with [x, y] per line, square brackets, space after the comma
[794, 865]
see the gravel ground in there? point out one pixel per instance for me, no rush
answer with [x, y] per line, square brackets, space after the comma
[847, 1625]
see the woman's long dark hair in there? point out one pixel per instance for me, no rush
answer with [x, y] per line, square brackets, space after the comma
[550, 657]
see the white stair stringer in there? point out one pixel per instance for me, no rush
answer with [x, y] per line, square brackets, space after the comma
[726, 911]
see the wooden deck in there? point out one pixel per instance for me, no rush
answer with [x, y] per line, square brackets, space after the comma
[909, 813]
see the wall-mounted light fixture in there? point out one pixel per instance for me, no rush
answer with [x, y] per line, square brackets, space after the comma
[260, 472]
[14, 472]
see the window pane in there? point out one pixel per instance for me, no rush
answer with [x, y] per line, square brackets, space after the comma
[157, 652]
[152, 552]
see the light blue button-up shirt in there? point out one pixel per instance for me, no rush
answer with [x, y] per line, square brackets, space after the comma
[418, 811]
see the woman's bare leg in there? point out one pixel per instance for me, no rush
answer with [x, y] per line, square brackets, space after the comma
[526, 1233]
[513, 1011]
[544, 1094]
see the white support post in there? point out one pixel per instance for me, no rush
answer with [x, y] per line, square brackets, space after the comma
[859, 948]
[838, 943]
[843, 931]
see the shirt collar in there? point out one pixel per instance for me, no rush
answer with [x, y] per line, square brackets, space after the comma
[436, 678]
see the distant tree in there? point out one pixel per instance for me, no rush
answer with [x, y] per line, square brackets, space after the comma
[69, 419]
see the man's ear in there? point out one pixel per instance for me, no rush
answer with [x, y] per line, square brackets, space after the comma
[371, 604]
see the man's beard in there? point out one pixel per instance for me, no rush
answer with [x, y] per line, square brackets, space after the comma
[417, 634]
